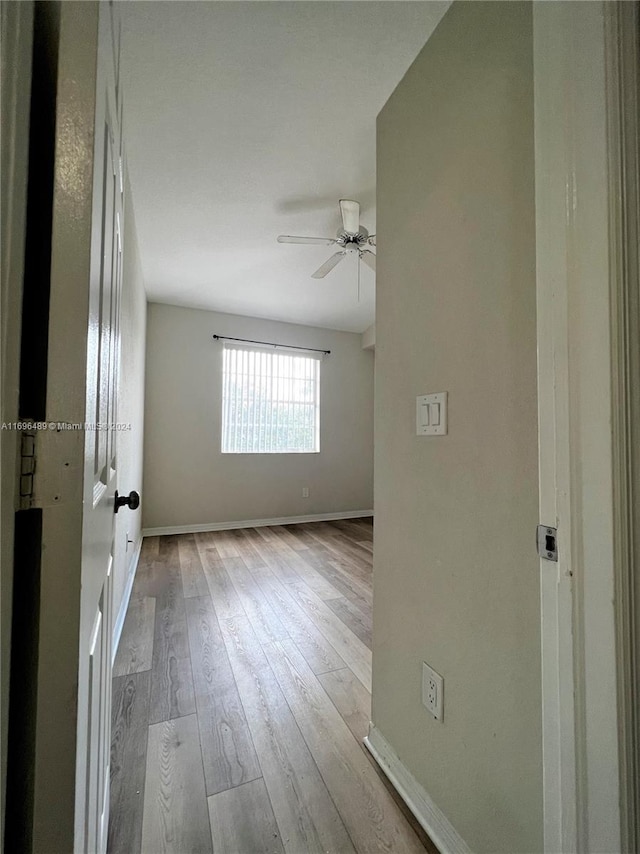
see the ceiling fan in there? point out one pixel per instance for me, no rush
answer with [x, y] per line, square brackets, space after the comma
[352, 239]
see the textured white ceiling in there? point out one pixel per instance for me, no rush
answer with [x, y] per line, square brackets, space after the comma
[245, 120]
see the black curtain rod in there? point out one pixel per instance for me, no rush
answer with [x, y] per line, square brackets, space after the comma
[268, 344]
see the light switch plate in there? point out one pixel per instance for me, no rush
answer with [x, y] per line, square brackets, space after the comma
[431, 414]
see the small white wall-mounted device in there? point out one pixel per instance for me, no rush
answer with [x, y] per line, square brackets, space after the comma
[432, 692]
[431, 414]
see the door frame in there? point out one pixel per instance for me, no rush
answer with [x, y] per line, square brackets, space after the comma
[17, 41]
[583, 90]
[60, 721]
[623, 88]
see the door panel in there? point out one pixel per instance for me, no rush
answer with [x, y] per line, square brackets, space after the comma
[100, 447]
[76, 468]
[98, 734]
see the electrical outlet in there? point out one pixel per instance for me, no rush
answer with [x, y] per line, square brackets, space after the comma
[432, 692]
[305, 491]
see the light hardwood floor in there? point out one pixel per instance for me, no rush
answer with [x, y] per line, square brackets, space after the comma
[241, 695]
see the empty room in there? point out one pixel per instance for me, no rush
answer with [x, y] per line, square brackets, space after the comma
[244, 658]
[320, 406]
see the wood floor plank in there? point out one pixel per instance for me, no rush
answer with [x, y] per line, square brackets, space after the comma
[266, 534]
[129, 726]
[242, 821]
[224, 595]
[171, 682]
[271, 553]
[251, 534]
[306, 815]
[350, 698]
[371, 816]
[307, 573]
[146, 581]
[291, 565]
[349, 550]
[150, 548]
[334, 541]
[356, 589]
[228, 756]
[205, 539]
[265, 623]
[283, 534]
[353, 618]
[225, 543]
[317, 650]
[176, 816]
[350, 648]
[353, 549]
[301, 534]
[135, 649]
[193, 581]
[298, 539]
[247, 548]
[355, 532]
[356, 570]
[366, 522]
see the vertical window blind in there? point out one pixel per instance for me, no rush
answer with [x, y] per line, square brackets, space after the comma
[270, 401]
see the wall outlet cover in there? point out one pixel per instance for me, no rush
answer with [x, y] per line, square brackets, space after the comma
[432, 692]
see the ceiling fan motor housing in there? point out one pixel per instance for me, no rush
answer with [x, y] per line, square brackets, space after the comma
[344, 238]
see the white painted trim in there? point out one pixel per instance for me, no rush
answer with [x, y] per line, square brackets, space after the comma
[124, 604]
[254, 523]
[573, 194]
[429, 815]
[552, 78]
[623, 100]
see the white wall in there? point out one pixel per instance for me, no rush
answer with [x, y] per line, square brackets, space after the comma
[456, 576]
[130, 406]
[188, 481]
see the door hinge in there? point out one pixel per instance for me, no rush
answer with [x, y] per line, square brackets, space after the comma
[27, 468]
[547, 542]
[50, 471]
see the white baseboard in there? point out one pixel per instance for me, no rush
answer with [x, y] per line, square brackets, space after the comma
[254, 523]
[431, 818]
[122, 612]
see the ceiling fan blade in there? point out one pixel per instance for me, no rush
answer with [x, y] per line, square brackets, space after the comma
[369, 258]
[328, 266]
[350, 215]
[371, 240]
[287, 238]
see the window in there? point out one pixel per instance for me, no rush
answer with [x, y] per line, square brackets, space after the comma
[270, 401]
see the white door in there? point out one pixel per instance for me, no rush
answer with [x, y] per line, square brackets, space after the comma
[100, 450]
[76, 465]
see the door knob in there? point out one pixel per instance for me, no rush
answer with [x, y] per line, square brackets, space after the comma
[132, 500]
